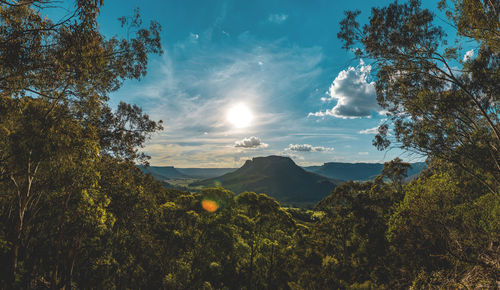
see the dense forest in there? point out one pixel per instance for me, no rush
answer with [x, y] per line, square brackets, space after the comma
[77, 212]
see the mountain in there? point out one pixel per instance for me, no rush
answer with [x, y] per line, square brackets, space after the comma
[204, 173]
[350, 171]
[311, 168]
[163, 172]
[415, 170]
[276, 176]
[358, 171]
[168, 172]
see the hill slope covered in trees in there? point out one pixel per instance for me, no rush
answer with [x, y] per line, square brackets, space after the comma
[162, 173]
[277, 176]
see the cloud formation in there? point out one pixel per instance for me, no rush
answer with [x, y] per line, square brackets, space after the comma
[373, 130]
[277, 18]
[468, 55]
[354, 93]
[251, 142]
[307, 148]
[193, 101]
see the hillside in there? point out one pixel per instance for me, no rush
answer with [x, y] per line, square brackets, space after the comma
[278, 177]
[204, 173]
[357, 171]
[169, 172]
[163, 172]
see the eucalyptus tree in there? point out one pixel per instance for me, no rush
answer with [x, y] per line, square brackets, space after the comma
[444, 233]
[267, 231]
[441, 104]
[55, 80]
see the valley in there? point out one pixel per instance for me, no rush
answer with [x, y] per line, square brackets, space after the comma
[277, 176]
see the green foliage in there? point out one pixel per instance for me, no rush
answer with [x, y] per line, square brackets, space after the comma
[54, 131]
[439, 225]
[437, 109]
[475, 19]
[347, 247]
[77, 212]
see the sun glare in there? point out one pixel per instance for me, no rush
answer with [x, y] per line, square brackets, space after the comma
[240, 116]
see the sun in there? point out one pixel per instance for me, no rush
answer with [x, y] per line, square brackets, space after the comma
[240, 116]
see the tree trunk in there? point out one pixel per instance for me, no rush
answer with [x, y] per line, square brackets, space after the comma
[270, 273]
[23, 198]
[73, 261]
[16, 232]
[251, 265]
[16, 243]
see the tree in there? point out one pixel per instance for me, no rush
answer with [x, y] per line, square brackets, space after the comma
[54, 84]
[444, 107]
[396, 171]
[437, 109]
[40, 138]
[69, 58]
[475, 19]
[444, 233]
[267, 230]
[347, 247]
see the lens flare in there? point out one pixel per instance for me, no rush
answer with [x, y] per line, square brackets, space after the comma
[209, 205]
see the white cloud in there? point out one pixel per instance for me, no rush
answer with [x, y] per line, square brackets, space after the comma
[290, 155]
[193, 84]
[468, 55]
[307, 148]
[213, 154]
[251, 142]
[354, 93]
[363, 153]
[373, 130]
[277, 18]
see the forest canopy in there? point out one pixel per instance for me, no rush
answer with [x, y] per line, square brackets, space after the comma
[77, 212]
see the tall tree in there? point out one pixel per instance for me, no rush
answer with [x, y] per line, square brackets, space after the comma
[445, 233]
[54, 84]
[441, 105]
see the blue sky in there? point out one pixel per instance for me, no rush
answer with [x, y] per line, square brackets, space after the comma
[280, 60]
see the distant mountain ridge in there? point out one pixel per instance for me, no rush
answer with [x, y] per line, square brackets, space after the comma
[278, 177]
[169, 172]
[357, 171]
[162, 172]
[336, 171]
[203, 173]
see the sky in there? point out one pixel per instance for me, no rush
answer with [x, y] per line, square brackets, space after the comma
[241, 79]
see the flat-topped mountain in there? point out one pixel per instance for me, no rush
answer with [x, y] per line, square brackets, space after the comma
[276, 176]
[357, 171]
